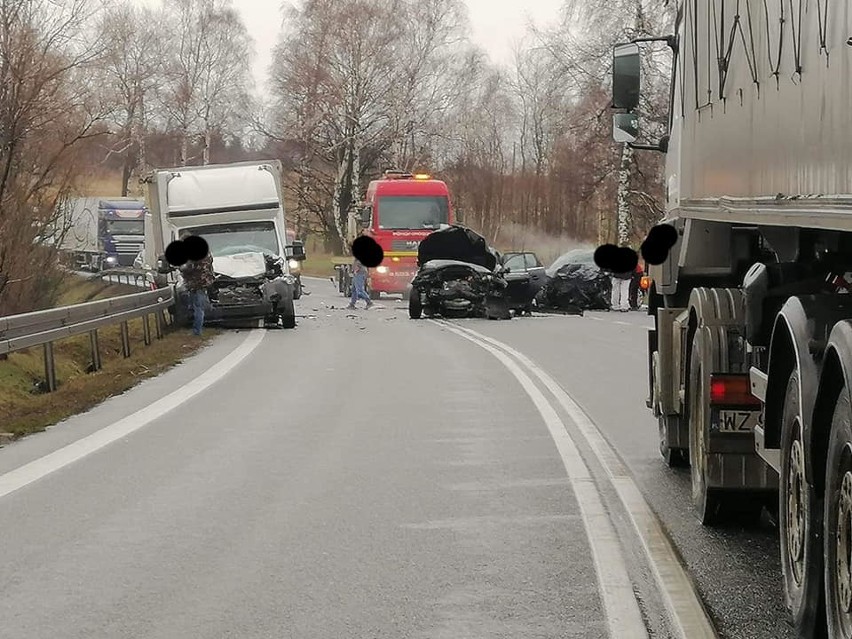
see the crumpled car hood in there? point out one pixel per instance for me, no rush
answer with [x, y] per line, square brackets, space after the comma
[456, 243]
[241, 265]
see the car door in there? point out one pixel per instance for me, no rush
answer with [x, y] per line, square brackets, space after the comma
[535, 269]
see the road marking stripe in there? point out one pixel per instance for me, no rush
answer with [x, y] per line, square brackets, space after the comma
[624, 618]
[36, 469]
[678, 589]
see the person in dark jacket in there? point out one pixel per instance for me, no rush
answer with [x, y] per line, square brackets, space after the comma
[198, 275]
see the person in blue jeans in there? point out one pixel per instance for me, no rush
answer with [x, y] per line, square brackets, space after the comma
[198, 275]
[359, 285]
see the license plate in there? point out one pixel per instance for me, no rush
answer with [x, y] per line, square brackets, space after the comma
[735, 421]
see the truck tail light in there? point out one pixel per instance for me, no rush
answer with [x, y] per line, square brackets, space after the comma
[732, 390]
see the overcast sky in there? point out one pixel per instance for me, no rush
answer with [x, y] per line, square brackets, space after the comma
[495, 24]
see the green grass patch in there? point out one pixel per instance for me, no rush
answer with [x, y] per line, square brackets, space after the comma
[24, 405]
[318, 265]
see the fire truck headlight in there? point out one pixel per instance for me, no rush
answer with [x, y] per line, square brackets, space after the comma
[111, 260]
[382, 269]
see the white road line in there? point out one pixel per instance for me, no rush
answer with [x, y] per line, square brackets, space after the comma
[623, 616]
[678, 589]
[35, 470]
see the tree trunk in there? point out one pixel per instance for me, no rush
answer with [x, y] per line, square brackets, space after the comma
[184, 146]
[625, 221]
[205, 156]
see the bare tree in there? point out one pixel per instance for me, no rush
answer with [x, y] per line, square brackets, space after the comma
[46, 115]
[132, 69]
[208, 70]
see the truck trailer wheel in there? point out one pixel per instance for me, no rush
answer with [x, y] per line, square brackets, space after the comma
[837, 533]
[705, 500]
[713, 505]
[799, 522]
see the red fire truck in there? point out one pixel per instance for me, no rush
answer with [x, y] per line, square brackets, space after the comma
[399, 211]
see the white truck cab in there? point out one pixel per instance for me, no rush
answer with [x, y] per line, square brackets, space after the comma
[238, 209]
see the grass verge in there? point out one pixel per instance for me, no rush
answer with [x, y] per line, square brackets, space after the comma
[318, 265]
[25, 408]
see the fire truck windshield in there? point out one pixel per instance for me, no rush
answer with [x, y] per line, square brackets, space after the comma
[413, 212]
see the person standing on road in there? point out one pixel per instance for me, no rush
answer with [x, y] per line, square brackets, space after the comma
[620, 291]
[198, 276]
[359, 285]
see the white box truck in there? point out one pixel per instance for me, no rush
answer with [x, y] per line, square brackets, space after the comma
[750, 358]
[238, 209]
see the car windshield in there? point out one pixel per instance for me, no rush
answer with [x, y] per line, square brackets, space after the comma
[130, 227]
[241, 237]
[410, 212]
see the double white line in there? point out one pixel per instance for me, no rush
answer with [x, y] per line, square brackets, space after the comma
[624, 619]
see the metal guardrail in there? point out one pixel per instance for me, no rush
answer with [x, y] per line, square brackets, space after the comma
[129, 276]
[42, 328]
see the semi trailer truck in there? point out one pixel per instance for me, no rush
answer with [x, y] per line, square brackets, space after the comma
[750, 356]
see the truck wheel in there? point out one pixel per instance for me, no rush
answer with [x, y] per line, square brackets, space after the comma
[799, 517]
[673, 457]
[415, 308]
[705, 500]
[287, 311]
[837, 533]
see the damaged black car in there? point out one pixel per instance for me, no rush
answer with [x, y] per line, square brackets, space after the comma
[575, 284]
[459, 276]
[249, 287]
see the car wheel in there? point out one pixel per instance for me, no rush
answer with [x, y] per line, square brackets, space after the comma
[799, 517]
[415, 308]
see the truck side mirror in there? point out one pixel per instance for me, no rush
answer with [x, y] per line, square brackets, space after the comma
[625, 127]
[296, 251]
[626, 86]
[365, 215]
[163, 266]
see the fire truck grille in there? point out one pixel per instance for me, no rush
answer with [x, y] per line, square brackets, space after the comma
[404, 245]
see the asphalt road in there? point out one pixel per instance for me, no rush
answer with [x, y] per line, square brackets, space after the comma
[369, 476]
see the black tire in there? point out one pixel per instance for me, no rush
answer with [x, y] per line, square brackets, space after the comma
[375, 295]
[287, 311]
[799, 519]
[705, 500]
[415, 308]
[838, 512]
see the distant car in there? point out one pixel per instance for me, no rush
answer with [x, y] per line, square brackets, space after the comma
[574, 283]
[526, 276]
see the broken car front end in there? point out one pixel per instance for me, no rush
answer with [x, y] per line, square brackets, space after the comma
[248, 287]
[451, 288]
